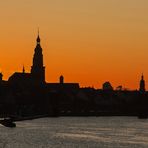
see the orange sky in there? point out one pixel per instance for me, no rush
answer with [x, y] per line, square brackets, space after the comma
[88, 41]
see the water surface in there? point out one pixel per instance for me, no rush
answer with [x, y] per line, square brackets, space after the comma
[77, 132]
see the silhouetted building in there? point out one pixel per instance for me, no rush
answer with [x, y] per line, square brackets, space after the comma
[119, 88]
[1, 77]
[142, 84]
[20, 79]
[27, 94]
[62, 85]
[37, 75]
[23, 69]
[107, 86]
[37, 69]
[61, 79]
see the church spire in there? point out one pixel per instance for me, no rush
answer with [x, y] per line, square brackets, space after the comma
[38, 38]
[38, 69]
[142, 84]
[23, 69]
[142, 77]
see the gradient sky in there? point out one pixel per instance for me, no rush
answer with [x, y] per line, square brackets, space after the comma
[87, 41]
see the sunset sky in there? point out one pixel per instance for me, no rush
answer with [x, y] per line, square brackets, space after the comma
[87, 41]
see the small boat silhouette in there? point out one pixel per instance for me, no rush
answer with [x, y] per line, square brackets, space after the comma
[8, 122]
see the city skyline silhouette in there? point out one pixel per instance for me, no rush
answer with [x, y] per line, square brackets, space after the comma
[39, 67]
[27, 95]
[73, 73]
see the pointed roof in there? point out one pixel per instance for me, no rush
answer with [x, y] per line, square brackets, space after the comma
[38, 38]
[142, 77]
[23, 69]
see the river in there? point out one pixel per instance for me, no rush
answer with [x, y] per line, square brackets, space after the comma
[77, 132]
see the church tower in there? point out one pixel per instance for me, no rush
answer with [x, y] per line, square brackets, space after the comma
[37, 69]
[142, 84]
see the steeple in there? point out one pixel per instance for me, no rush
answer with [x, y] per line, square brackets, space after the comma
[37, 69]
[61, 79]
[38, 38]
[23, 69]
[1, 77]
[142, 77]
[142, 84]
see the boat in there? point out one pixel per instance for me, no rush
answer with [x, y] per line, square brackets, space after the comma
[8, 122]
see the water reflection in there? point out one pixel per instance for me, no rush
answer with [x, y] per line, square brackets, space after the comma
[77, 132]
